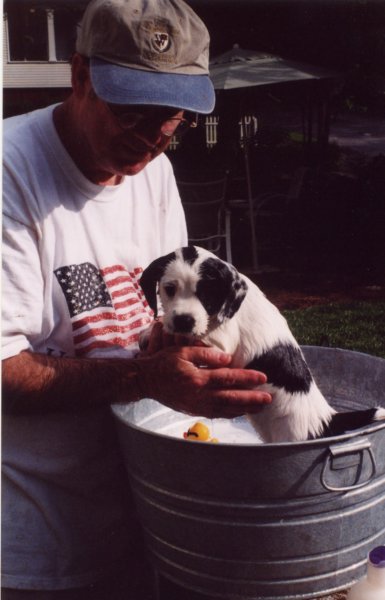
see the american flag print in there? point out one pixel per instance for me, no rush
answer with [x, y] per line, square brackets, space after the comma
[107, 306]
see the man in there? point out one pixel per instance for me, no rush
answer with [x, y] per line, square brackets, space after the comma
[89, 201]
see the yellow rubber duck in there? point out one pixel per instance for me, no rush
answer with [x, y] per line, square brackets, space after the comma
[199, 432]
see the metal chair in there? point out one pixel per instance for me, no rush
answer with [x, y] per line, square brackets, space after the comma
[207, 215]
[273, 219]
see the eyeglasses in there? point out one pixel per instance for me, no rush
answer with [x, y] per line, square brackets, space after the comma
[168, 126]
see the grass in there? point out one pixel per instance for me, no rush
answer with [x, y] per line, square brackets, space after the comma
[358, 326]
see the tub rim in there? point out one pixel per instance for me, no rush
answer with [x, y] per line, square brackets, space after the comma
[116, 408]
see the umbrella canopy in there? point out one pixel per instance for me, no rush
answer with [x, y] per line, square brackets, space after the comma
[239, 68]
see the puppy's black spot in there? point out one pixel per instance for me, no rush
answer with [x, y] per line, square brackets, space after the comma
[214, 285]
[190, 254]
[284, 367]
[232, 306]
[220, 289]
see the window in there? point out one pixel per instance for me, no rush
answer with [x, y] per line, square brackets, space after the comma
[27, 28]
[37, 33]
[66, 23]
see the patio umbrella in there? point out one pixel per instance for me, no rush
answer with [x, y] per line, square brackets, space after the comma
[239, 68]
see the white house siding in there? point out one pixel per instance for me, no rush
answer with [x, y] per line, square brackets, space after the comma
[36, 75]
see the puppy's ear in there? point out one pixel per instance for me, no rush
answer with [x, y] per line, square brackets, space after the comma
[150, 278]
[235, 297]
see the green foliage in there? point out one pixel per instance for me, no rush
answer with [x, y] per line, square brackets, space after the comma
[358, 326]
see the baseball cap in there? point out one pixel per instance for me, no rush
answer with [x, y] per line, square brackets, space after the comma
[147, 52]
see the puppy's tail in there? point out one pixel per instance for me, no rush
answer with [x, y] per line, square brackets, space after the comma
[347, 421]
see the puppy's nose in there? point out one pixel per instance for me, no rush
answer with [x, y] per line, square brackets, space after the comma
[183, 323]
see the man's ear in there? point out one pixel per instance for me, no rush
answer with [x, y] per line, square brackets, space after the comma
[80, 74]
[235, 297]
[150, 278]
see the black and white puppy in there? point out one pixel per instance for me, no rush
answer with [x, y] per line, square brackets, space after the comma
[206, 298]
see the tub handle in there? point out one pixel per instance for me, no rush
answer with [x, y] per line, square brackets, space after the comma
[343, 449]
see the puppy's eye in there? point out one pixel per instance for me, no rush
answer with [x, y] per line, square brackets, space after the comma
[170, 290]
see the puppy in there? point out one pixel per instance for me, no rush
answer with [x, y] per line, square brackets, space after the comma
[206, 298]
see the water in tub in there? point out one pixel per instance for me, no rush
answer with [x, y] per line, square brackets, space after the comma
[153, 416]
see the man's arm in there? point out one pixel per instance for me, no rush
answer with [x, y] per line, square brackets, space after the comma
[195, 380]
[34, 382]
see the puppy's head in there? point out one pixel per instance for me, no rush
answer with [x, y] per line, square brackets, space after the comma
[198, 291]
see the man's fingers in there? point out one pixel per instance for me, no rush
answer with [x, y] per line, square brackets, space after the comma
[180, 340]
[241, 401]
[229, 404]
[206, 356]
[233, 378]
[155, 342]
[199, 381]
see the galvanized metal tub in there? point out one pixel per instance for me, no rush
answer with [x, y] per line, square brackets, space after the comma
[263, 521]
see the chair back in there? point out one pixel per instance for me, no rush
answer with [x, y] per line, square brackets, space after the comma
[207, 218]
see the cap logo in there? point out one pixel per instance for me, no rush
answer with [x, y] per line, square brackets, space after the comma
[161, 41]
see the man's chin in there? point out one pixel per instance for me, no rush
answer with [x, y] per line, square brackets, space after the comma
[134, 167]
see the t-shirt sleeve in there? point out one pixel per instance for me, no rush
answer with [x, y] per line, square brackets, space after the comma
[22, 287]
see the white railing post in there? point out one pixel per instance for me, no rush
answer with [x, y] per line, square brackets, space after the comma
[248, 127]
[51, 35]
[211, 124]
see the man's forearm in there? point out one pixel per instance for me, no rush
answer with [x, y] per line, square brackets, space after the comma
[35, 382]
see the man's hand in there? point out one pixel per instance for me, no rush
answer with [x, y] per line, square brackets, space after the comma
[192, 379]
[197, 380]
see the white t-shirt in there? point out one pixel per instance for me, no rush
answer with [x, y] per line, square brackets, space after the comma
[73, 252]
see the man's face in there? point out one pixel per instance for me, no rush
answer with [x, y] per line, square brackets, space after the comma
[124, 150]
[106, 145]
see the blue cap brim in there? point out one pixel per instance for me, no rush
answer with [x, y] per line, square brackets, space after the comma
[123, 85]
